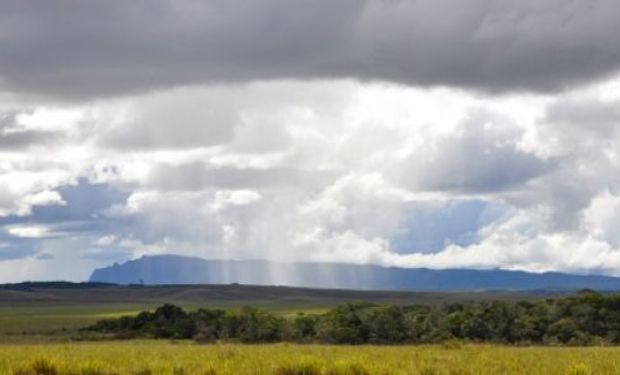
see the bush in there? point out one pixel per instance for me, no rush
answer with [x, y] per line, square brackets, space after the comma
[586, 319]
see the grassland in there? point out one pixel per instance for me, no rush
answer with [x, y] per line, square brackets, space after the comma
[163, 357]
[37, 326]
[44, 312]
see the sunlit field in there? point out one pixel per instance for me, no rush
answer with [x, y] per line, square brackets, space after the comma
[41, 339]
[165, 357]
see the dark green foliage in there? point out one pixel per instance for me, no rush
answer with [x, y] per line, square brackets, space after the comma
[387, 325]
[303, 327]
[258, 326]
[584, 319]
[345, 324]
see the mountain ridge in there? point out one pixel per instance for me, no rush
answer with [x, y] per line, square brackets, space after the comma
[176, 269]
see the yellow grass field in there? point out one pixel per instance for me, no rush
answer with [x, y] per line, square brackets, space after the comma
[164, 357]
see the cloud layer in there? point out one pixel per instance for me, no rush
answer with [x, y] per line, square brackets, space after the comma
[81, 50]
[324, 170]
[402, 133]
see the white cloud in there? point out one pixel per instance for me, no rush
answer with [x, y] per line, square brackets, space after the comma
[44, 198]
[234, 197]
[105, 240]
[330, 171]
[602, 217]
[30, 231]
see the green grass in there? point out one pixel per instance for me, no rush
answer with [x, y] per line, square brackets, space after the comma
[45, 323]
[163, 357]
[37, 324]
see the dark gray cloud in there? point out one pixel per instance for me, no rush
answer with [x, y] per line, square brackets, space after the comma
[13, 139]
[84, 49]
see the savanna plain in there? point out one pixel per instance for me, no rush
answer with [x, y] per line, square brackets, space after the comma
[38, 336]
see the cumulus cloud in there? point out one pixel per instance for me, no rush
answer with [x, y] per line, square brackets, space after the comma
[318, 171]
[474, 158]
[79, 50]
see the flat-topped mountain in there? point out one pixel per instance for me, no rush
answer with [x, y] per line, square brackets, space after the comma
[174, 269]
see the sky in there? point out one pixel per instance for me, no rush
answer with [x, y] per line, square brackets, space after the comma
[409, 133]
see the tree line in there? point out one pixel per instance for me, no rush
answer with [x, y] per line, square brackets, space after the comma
[585, 319]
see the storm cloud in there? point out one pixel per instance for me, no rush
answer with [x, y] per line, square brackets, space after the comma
[78, 50]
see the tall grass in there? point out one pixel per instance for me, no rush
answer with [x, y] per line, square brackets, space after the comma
[185, 358]
[301, 368]
[44, 366]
